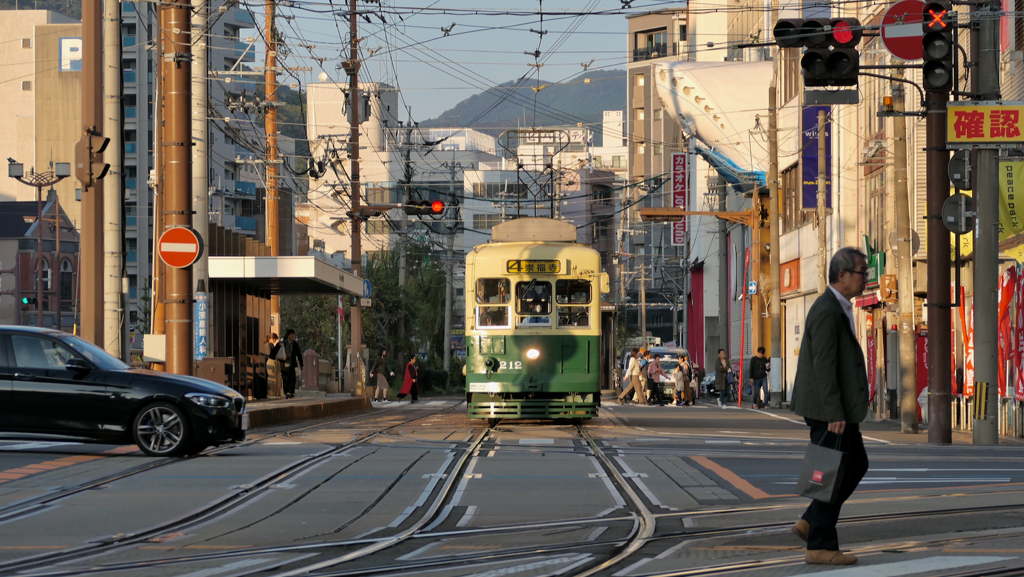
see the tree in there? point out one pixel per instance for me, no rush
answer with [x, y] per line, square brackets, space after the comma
[315, 320]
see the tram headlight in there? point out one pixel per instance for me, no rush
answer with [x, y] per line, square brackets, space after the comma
[532, 354]
[491, 364]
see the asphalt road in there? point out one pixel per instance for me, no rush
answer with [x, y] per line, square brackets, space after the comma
[422, 490]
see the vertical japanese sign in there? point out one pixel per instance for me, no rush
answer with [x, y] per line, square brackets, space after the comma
[809, 157]
[680, 188]
[1007, 286]
[872, 359]
[1019, 338]
[1011, 195]
[922, 367]
[202, 323]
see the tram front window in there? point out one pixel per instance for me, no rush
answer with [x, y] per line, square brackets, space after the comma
[492, 290]
[573, 298]
[533, 303]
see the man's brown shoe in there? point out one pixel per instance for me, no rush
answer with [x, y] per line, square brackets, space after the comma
[826, 557]
[802, 529]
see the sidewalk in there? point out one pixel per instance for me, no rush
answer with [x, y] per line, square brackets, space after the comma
[266, 412]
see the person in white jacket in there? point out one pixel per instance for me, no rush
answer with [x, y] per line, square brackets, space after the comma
[631, 379]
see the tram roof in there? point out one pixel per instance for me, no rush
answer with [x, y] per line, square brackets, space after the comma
[533, 229]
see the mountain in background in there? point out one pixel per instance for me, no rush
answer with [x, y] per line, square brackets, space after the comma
[498, 109]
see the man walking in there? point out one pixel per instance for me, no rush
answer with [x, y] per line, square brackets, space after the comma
[759, 367]
[292, 363]
[831, 394]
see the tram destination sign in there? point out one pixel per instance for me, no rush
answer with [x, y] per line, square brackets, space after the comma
[521, 266]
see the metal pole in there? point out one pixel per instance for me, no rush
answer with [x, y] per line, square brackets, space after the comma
[449, 280]
[113, 195]
[986, 249]
[939, 373]
[723, 271]
[177, 192]
[352, 67]
[270, 127]
[775, 256]
[157, 286]
[822, 246]
[904, 262]
[39, 256]
[643, 303]
[200, 146]
[92, 196]
[55, 275]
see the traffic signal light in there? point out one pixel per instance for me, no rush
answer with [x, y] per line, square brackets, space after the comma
[425, 207]
[89, 165]
[937, 25]
[831, 57]
[29, 300]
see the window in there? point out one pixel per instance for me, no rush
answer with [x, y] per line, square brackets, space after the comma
[485, 221]
[876, 186]
[47, 273]
[26, 85]
[377, 227]
[66, 285]
[573, 297]
[793, 215]
[657, 114]
[533, 303]
[39, 353]
[658, 149]
[26, 43]
[638, 80]
[598, 162]
[618, 162]
[638, 114]
[494, 292]
[682, 32]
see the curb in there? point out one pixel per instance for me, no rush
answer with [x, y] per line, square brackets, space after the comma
[306, 411]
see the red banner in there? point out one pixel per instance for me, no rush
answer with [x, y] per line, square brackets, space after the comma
[922, 367]
[1019, 357]
[1007, 285]
[969, 356]
[952, 340]
[872, 361]
[680, 187]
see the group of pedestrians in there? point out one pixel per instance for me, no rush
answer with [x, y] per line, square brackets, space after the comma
[287, 356]
[381, 371]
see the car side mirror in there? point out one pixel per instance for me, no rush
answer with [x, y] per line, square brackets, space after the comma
[77, 365]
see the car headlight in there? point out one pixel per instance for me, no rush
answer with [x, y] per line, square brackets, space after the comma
[208, 401]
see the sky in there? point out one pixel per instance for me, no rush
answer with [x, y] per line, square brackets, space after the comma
[434, 71]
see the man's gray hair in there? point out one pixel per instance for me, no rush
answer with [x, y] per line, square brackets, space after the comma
[845, 259]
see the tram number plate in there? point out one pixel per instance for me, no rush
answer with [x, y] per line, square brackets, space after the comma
[547, 266]
[484, 387]
[510, 366]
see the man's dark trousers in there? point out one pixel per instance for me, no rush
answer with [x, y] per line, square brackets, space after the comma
[822, 516]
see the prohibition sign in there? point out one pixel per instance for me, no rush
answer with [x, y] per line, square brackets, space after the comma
[902, 32]
[180, 247]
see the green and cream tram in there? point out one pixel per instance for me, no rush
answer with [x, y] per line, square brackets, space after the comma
[533, 323]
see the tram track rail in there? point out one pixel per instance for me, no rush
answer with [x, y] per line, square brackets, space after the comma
[208, 512]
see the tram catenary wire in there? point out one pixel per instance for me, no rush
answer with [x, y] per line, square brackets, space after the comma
[211, 511]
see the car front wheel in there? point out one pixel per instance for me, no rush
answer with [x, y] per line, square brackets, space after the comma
[160, 430]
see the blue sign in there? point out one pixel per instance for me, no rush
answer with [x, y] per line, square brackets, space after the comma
[366, 288]
[70, 54]
[752, 287]
[809, 157]
[201, 322]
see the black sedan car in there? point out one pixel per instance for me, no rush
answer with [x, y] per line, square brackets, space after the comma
[53, 384]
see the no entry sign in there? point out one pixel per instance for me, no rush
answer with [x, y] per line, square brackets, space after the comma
[902, 31]
[179, 247]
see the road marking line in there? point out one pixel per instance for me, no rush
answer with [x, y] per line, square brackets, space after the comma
[536, 441]
[688, 522]
[418, 552]
[632, 567]
[607, 511]
[629, 473]
[467, 517]
[595, 534]
[731, 478]
[671, 550]
[908, 567]
[619, 502]
[574, 559]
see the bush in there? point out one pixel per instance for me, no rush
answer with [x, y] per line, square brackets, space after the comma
[433, 380]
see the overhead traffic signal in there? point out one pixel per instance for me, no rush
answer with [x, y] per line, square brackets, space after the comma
[425, 207]
[89, 165]
[938, 25]
[831, 57]
[29, 300]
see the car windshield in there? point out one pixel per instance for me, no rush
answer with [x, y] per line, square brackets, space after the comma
[95, 355]
[669, 365]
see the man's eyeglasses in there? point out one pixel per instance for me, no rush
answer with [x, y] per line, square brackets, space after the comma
[863, 273]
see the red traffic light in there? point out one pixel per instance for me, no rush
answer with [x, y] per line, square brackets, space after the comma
[937, 16]
[437, 207]
[846, 32]
[937, 19]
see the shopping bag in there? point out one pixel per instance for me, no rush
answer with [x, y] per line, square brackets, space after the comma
[822, 471]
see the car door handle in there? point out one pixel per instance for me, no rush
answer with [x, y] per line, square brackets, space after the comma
[24, 376]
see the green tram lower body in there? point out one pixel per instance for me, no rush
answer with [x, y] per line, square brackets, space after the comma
[562, 382]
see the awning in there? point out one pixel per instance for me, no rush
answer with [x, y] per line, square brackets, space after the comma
[285, 275]
[868, 301]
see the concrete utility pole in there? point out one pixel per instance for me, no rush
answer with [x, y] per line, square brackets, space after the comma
[177, 157]
[200, 144]
[643, 303]
[449, 282]
[775, 256]
[91, 264]
[352, 68]
[986, 252]
[723, 269]
[822, 213]
[270, 127]
[157, 285]
[904, 262]
[114, 300]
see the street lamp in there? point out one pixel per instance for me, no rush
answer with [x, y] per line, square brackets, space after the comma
[38, 180]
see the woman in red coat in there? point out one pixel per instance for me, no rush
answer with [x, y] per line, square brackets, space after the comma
[409, 385]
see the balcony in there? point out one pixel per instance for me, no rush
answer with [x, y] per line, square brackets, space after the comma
[130, 183]
[241, 48]
[653, 51]
[131, 147]
[127, 41]
[133, 293]
[132, 256]
[131, 220]
[128, 7]
[245, 18]
[245, 188]
[129, 76]
[130, 112]
[245, 223]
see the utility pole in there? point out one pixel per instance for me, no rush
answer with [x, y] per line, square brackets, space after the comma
[270, 127]
[177, 156]
[723, 269]
[939, 373]
[352, 69]
[904, 262]
[643, 303]
[91, 264]
[157, 286]
[775, 256]
[822, 246]
[449, 281]
[986, 253]
[114, 300]
[200, 145]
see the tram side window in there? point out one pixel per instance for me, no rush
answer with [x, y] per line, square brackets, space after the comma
[533, 303]
[492, 290]
[573, 298]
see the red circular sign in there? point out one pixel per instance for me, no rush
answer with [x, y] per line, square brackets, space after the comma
[179, 247]
[902, 31]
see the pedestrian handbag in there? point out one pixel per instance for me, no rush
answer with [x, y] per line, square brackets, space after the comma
[281, 355]
[822, 472]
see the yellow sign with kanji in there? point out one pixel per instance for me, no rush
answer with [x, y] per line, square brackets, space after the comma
[973, 123]
[528, 266]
